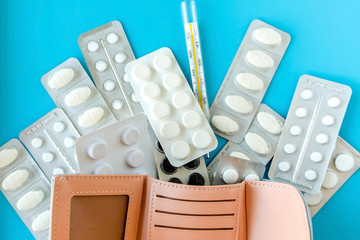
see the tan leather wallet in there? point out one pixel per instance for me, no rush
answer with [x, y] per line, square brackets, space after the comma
[140, 207]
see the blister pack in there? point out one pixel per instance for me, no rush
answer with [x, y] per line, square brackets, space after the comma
[51, 140]
[25, 187]
[170, 105]
[345, 160]
[106, 50]
[121, 148]
[310, 131]
[230, 170]
[247, 80]
[73, 91]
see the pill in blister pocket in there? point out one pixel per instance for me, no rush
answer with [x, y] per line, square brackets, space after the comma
[267, 36]
[252, 176]
[7, 156]
[30, 200]
[284, 166]
[15, 179]
[313, 199]
[229, 176]
[224, 124]
[269, 122]
[238, 104]
[334, 102]
[60, 78]
[41, 222]
[330, 179]
[170, 130]
[191, 119]
[316, 157]
[249, 81]
[91, 117]
[257, 143]
[77, 96]
[259, 59]
[344, 162]
[239, 155]
[328, 120]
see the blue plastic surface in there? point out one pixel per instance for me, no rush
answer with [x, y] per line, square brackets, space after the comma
[38, 35]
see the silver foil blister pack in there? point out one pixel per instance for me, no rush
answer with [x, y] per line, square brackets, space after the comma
[247, 80]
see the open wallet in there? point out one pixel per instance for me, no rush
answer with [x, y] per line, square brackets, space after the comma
[139, 207]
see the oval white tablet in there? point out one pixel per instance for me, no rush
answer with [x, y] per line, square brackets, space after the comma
[334, 102]
[91, 117]
[301, 112]
[249, 81]
[306, 94]
[238, 104]
[103, 169]
[257, 143]
[7, 156]
[191, 119]
[160, 110]
[267, 36]
[58, 171]
[47, 157]
[295, 130]
[135, 158]
[169, 130]
[330, 179]
[134, 98]
[162, 62]
[130, 136]
[41, 222]
[328, 120]
[201, 139]
[15, 179]
[37, 142]
[310, 175]
[252, 177]
[117, 104]
[151, 91]
[171, 81]
[259, 59]
[224, 124]
[112, 38]
[30, 200]
[97, 150]
[316, 157]
[141, 72]
[180, 149]
[239, 155]
[322, 138]
[101, 65]
[109, 85]
[344, 162]
[289, 148]
[93, 46]
[269, 122]
[284, 166]
[229, 176]
[181, 100]
[120, 57]
[69, 142]
[313, 199]
[77, 96]
[59, 127]
[61, 78]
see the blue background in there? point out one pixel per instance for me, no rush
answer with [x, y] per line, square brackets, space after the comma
[36, 36]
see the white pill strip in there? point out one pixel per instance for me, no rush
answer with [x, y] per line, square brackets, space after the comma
[51, 141]
[310, 133]
[170, 107]
[106, 50]
[247, 80]
[121, 148]
[73, 91]
[344, 162]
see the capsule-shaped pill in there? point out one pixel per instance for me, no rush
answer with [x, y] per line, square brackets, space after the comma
[249, 81]
[259, 59]
[269, 122]
[15, 179]
[267, 36]
[77, 96]
[7, 156]
[257, 143]
[224, 124]
[91, 117]
[41, 222]
[238, 104]
[30, 200]
[61, 78]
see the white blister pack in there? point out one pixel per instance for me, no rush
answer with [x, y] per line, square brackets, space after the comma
[106, 50]
[310, 131]
[247, 80]
[72, 90]
[344, 162]
[170, 105]
[25, 187]
[121, 148]
[51, 141]
[231, 170]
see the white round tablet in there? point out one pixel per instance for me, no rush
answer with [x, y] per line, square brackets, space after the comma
[181, 100]
[120, 57]
[141, 72]
[289, 148]
[313, 199]
[117, 104]
[191, 119]
[330, 179]
[316, 157]
[306, 94]
[97, 150]
[252, 177]
[134, 97]
[162, 62]
[101, 65]
[103, 169]
[334, 102]
[344, 162]
[59, 127]
[201, 139]
[229, 176]
[135, 158]
[169, 130]
[151, 91]
[180, 149]
[93, 46]
[160, 110]
[47, 157]
[171, 81]
[295, 130]
[301, 112]
[112, 38]
[125, 78]
[284, 166]
[310, 175]
[328, 120]
[130, 136]
[109, 85]
[37, 142]
[322, 138]
[69, 142]
[58, 171]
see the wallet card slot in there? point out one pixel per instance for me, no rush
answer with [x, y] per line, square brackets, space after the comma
[194, 229]
[196, 215]
[195, 200]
